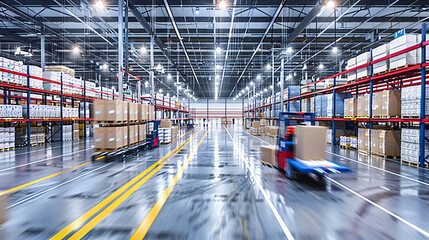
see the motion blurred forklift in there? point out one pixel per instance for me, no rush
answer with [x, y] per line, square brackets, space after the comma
[301, 147]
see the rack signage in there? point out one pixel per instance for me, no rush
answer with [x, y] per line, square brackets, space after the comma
[399, 33]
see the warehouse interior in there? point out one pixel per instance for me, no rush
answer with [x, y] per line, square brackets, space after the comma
[221, 119]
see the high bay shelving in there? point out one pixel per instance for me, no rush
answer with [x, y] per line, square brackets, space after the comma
[409, 75]
[9, 94]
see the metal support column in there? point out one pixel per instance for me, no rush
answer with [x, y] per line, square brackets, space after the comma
[152, 74]
[423, 101]
[126, 47]
[120, 48]
[28, 106]
[282, 79]
[333, 110]
[272, 83]
[139, 91]
[371, 88]
[62, 108]
[85, 104]
[42, 49]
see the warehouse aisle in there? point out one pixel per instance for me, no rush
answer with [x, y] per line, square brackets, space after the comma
[224, 193]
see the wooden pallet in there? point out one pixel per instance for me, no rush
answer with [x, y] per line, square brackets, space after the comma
[165, 143]
[267, 164]
[411, 117]
[363, 151]
[408, 163]
[401, 67]
[344, 147]
[108, 149]
[362, 117]
[381, 73]
[133, 121]
[110, 122]
[385, 117]
[387, 156]
[362, 78]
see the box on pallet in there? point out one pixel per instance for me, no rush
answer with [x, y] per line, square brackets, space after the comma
[256, 124]
[142, 112]
[363, 139]
[165, 123]
[110, 111]
[339, 104]
[410, 58]
[108, 138]
[377, 53]
[350, 107]
[310, 142]
[351, 63]
[268, 154]
[363, 105]
[410, 101]
[142, 132]
[132, 111]
[410, 145]
[361, 60]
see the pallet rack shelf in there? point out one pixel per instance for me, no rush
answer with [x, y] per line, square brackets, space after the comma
[409, 75]
[10, 93]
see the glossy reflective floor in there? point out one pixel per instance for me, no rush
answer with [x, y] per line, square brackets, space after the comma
[212, 187]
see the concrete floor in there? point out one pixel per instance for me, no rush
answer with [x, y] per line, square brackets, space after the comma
[224, 193]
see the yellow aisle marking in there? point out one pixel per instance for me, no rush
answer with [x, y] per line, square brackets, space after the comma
[97, 219]
[82, 219]
[56, 174]
[141, 231]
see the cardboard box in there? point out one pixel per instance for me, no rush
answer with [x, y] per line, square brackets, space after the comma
[390, 104]
[142, 112]
[142, 132]
[363, 139]
[174, 132]
[108, 137]
[256, 124]
[268, 154]
[165, 123]
[110, 110]
[132, 112]
[363, 106]
[389, 143]
[374, 141]
[310, 142]
[131, 135]
[151, 113]
[3, 206]
[350, 107]
[376, 104]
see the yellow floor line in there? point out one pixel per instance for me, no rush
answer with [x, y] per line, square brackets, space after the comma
[82, 219]
[142, 230]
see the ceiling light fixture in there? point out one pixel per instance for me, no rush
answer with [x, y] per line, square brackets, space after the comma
[330, 4]
[197, 10]
[289, 50]
[169, 76]
[268, 66]
[99, 4]
[218, 50]
[334, 49]
[76, 49]
[321, 66]
[258, 77]
[222, 4]
[143, 50]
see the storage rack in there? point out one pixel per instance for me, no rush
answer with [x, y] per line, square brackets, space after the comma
[48, 97]
[393, 79]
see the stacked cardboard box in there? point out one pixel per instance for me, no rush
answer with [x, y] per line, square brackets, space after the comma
[377, 53]
[321, 106]
[110, 138]
[350, 107]
[268, 154]
[386, 104]
[165, 135]
[363, 139]
[309, 143]
[10, 111]
[409, 58]
[7, 136]
[351, 63]
[353, 142]
[271, 131]
[410, 145]
[114, 111]
[142, 112]
[142, 133]
[67, 133]
[132, 112]
[175, 132]
[361, 60]
[339, 104]
[410, 101]
[363, 105]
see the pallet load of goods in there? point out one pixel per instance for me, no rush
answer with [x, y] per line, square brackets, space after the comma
[226, 121]
[7, 134]
[120, 124]
[271, 131]
[256, 129]
[165, 131]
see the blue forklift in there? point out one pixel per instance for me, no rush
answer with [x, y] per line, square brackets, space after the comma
[285, 158]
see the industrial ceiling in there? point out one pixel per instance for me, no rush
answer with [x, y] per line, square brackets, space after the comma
[230, 45]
